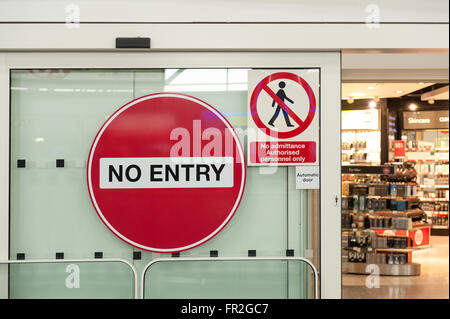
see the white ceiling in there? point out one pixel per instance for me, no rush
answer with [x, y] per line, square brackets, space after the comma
[438, 94]
[381, 90]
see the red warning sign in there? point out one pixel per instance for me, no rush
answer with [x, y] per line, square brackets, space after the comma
[280, 77]
[399, 149]
[283, 111]
[283, 152]
[166, 172]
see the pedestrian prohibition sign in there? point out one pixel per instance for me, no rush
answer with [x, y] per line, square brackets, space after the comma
[166, 172]
[283, 109]
[262, 86]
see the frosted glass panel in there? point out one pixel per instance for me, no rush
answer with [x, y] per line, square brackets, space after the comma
[56, 116]
[72, 281]
[223, 279]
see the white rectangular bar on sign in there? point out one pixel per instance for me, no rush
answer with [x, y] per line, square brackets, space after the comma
[307, 177]
[166, 172]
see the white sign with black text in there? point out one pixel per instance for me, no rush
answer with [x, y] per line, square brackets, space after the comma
[307, 177]
[166, 172]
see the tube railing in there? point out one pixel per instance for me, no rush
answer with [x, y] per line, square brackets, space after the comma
[179, 259]
[54, 261]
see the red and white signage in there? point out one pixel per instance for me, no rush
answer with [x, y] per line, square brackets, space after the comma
[399, 149]
[166, 172]
[283, 120]
[420, 236]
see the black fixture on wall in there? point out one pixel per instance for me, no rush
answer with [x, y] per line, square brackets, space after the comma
[133, 43]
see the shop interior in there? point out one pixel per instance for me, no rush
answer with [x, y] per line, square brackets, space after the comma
[395, 190]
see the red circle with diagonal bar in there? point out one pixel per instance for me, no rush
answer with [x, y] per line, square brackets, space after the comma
[263, 86]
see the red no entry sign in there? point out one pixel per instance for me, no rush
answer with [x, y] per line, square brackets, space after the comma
[263, 86]
[162, 174]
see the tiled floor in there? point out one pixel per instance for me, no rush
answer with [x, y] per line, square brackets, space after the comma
[432, 283]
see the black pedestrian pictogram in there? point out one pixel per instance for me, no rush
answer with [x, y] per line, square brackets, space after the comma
[299, 125]
[282, 95]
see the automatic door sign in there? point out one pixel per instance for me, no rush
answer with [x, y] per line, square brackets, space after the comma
[283, 120]
[166, 172]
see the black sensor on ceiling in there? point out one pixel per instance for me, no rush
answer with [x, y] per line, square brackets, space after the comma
[133, 43]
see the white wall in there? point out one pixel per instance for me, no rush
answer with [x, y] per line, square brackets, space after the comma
[191, 36]
[229, 10]
[395, 67]
[257, 25]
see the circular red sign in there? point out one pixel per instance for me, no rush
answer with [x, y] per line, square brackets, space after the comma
[263, 85]
[163, 219]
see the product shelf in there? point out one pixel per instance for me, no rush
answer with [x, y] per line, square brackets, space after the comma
[433, 199]
[439, 227]
[393, 197]
[436, 212]
[434, 186]
[404, 250]
[393, 206]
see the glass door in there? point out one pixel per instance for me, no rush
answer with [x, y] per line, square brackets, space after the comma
[55, 115]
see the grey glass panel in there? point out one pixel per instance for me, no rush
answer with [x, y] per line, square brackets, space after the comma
[57, 117]
[224, 279]
[71, 281]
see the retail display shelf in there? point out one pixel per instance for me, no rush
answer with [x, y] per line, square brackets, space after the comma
[388, 232]
[392, 197]
[439, 227]
[433, 193]
[361, 150]
[431, 161]
[393, 212]
[439, 231]
[410, 249]
[421, 247]
[355, 162]
[436, 212]
[386, 220]
[358, 248]
[427, 151]
[359, 130]
[434, 186]
[385, 213]
[346, 229]
[387, 229]
[432, 175]
[433, 199]
[412, 269]
[395, 249]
